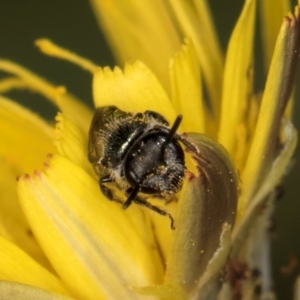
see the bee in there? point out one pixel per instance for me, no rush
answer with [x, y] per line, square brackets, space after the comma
[139, 153]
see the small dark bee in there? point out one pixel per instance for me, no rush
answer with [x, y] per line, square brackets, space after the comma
[139, 153]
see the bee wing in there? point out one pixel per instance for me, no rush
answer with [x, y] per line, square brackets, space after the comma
[95, 144]
[102, 116]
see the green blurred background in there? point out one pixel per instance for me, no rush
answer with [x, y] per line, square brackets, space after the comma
[71, 24]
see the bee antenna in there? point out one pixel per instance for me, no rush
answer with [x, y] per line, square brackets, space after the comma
[171, 133]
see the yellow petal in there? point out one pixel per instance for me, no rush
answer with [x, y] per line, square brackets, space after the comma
[19, 267]
[271, 15]
[186, 88]
[161, 226]
[206, 202]
[12, 290]
[136, 90]
[237, 83]
[71, 142]
[67, 103]
[22, 134]
[136, 30]
[196, 23]
[51, 49]
[11, 83]
[97, 249]
[277, 92]
[267, 186]
[13, 224]
[25, 141]
[271, 18]
[162, 292]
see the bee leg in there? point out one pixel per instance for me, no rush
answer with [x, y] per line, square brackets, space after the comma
[132, 192]
[107, 191]
[172, 199]
[158, 210]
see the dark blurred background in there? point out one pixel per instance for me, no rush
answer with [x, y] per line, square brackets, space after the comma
[72, 25]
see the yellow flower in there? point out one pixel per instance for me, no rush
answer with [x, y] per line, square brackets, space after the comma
[59, 236]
